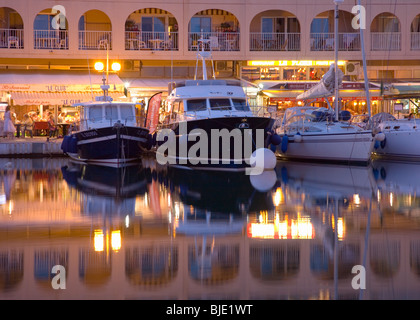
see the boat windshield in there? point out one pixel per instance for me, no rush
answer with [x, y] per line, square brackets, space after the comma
[240, 104]
[220, 104]
[95, 113]
[196, 105]
[127, 112]
[111, 112]
[307, 114]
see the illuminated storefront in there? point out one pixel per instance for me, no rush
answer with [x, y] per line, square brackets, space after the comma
[289, 70]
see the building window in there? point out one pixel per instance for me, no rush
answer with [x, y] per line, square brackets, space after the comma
[320, 25]
[199, 24]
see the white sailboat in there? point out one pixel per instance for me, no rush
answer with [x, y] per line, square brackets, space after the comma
[324, 134]
[401, 136]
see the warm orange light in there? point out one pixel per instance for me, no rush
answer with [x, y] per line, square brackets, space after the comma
[99, 66]
[116, 66]
[116, 240]
[98, 240]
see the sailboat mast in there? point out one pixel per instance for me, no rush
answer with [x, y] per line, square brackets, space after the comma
[365, 76]
[336, 92]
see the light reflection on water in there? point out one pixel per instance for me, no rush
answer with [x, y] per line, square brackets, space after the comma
[149, 232]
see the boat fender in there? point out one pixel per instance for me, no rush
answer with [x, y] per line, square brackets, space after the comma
[383, 143]
[284, 143]
[298, 137]
[273, 147]
[275, 139]
[263, 158]
[380, 136]
[72, 144]
[377, 144]
[65, 144]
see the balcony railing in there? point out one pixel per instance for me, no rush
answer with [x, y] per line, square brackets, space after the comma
[11, 38]
[51, 39]
[216, 41]
[141, 40]
[95, 40]
[415, 41]
[325, 41]
[263, 41]
[385, 41]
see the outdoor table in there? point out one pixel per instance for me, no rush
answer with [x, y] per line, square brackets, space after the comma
[39, 126]
[155, 43]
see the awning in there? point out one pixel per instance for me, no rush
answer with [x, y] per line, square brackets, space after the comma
[403, 91]
[56, 81]
[57, 98]
[290, 90]
[29, 87]
[292, 94]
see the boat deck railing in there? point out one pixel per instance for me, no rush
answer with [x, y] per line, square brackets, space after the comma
[214, 113]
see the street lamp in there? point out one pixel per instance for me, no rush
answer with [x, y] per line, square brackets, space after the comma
[99, 66]
[116, 66]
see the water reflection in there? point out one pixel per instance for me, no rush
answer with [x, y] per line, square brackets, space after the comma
[153, 232]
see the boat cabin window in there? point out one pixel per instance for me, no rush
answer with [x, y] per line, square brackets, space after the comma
[220, 104]
[196, 105]
[111, 112]
[95, 113]
[127, 112]
[240, 104]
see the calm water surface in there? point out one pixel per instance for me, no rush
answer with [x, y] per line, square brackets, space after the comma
[151, 232]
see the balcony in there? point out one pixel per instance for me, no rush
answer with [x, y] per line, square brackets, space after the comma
[385, 41]
[141, 40]
[11, 38]
[51, 39]
[415, 41]
[263, 41]
[216, 41]
[325, 41]
[95, 40]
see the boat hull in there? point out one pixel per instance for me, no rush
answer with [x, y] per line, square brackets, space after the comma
[400, 144]
[355, 148]
[207, 153]
[109, 145]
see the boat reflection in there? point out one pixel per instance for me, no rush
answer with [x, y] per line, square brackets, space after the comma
[398, 187]
[209, 211]
[150, 232]
[106, 190]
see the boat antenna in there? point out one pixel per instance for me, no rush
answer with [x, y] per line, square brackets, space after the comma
[201, 54]
[365, 76]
